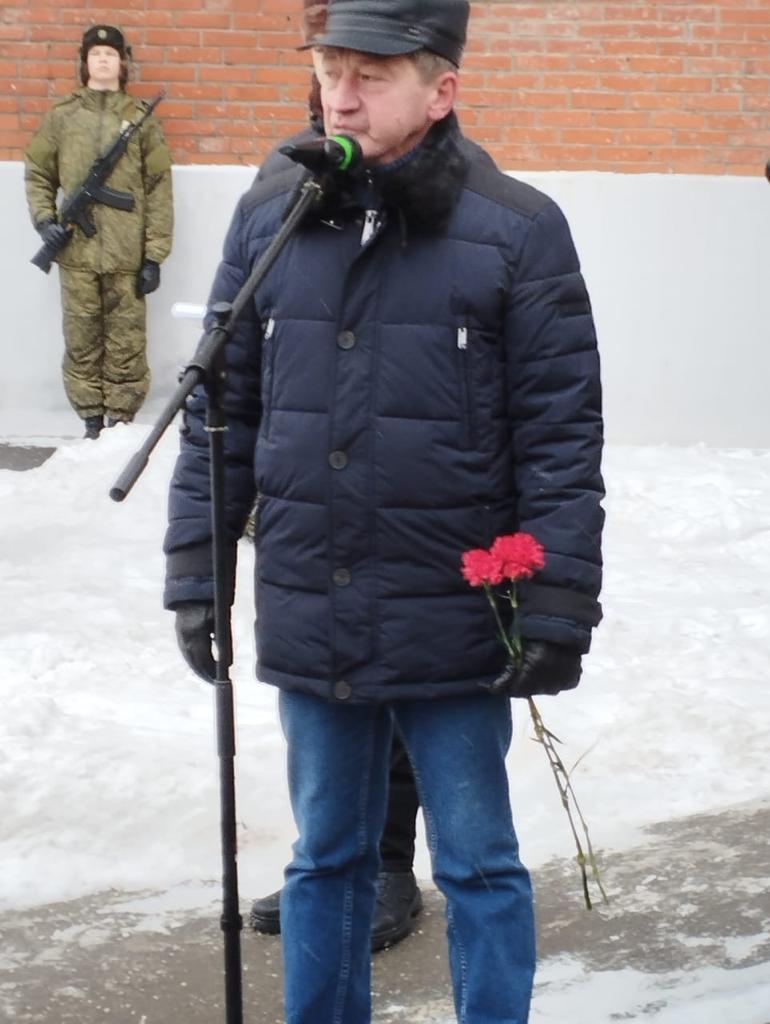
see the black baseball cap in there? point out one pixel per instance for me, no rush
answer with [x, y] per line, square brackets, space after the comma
[392, 27]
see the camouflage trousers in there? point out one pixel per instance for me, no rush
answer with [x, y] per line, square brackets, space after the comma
[105, 343]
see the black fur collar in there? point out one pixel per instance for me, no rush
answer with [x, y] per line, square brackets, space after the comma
[421, 194]
[425, 190]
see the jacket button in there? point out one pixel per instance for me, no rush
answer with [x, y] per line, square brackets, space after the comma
[346, 339]
[341, 577]
[342, 690]
[338, 460]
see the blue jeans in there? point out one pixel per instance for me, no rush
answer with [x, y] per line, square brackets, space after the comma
[338, 768]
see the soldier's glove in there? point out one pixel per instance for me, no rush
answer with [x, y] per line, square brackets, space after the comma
[194, 634]
[148, 278]
[52, 232]
[545, 668]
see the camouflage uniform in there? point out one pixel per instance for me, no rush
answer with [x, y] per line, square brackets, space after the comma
[105, 363]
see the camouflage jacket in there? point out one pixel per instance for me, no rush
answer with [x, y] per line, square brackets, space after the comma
[74, 132]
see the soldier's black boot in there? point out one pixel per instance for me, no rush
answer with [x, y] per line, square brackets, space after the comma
[94, 426]
[399, 901]
[265, 914]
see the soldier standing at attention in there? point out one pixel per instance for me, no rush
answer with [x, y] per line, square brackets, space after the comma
[105, 278]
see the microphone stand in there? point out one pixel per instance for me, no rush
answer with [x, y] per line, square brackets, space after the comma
[208, 367]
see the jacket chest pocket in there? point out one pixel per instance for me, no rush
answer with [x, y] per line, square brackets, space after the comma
[268, 373]
[467, 398]
[481, 376]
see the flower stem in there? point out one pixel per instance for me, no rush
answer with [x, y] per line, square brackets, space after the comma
[509, 646]
[547, 740]
[515, 628]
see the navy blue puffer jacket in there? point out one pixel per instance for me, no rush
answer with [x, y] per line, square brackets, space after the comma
[406, 384]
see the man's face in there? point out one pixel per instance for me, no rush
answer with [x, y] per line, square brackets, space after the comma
[103, 63]
[382, 102]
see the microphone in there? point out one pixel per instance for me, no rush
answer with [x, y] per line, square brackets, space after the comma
[335, 153]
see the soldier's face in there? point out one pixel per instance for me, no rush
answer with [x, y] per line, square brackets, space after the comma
[103, 63]
[382, 102]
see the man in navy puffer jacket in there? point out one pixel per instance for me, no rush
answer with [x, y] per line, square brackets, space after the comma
[398, 902]
[416, 375]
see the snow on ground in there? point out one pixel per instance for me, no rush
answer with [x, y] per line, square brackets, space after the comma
[706, 996]
[108, 768]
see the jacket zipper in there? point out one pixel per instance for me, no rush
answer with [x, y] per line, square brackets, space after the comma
[370, 226]
[267, 339]
[94, 206]
[466, 389]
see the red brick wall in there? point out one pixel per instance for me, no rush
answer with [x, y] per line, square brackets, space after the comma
[666, 86]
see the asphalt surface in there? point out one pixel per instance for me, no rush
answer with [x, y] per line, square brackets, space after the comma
[688, 897]
[19, 457]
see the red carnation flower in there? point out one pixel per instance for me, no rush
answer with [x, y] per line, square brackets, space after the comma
[513, 557]
[519, 555]
[481, 568]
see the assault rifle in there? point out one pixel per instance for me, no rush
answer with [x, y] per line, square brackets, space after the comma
[93, 190]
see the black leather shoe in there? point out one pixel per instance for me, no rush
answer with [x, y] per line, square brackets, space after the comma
[399, 901]
[265, 914]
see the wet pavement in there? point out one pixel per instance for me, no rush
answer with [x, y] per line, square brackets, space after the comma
[695, 893]
[23, 456]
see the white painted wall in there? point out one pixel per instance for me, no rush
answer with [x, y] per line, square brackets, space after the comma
[677, 268]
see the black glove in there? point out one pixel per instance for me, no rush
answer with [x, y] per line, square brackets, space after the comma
[545, 668]
[148, 278]
[194, 634]
[52, 232]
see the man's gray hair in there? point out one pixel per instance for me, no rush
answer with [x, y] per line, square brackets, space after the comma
[430, 65]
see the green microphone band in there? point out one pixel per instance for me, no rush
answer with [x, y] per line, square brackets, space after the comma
[345, 143]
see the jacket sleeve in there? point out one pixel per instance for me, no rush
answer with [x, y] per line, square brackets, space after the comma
[188, 542]
[555, 410]
[41, 171]
[159, 215]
